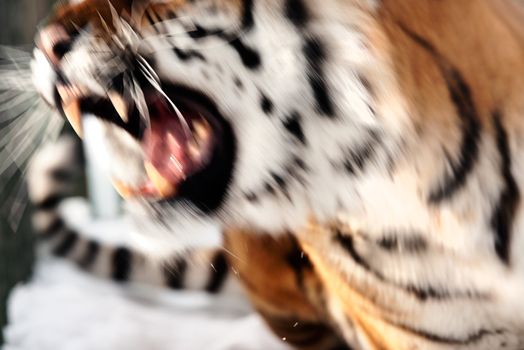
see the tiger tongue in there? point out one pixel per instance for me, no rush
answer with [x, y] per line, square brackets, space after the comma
[166, 150]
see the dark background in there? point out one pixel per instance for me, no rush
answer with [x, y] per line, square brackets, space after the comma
[18, 22]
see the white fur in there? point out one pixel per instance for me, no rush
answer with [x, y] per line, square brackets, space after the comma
[461, 256]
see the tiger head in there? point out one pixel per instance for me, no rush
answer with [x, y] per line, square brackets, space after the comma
[218, 113]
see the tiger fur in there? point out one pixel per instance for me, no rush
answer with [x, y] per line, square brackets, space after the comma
[377, 140]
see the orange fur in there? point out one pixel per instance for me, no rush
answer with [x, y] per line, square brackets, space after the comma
[483, 39]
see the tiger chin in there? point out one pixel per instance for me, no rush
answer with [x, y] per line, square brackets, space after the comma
[363, 158]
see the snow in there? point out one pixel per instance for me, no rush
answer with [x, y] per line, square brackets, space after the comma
[63, 308]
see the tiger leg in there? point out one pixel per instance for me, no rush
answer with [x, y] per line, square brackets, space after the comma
[283, 286]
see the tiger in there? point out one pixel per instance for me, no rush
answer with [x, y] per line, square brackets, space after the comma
[361, 159]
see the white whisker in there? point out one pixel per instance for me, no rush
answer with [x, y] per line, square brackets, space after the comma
[140, 100]
[18, 100]
[25, 123]
[156, 85]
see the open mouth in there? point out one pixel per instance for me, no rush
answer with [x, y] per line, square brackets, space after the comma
[188, 146]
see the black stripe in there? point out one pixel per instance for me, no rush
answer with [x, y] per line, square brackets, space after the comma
[412, 243]
[282, 184]
[301, 333]
[469, 148]
[62, 175]
[67, 244]
[347, 243]
[293, 126]
[504, 214]
[248, 20]
[460, 94]
[174, 275]
[294, 170]
[297, 12]
[90, 254]
[468, 339]
[61, 48]
[50, 202]
[341, 347]
[249, 56]
[357, 158]
[218, 273]
[51, 231]
[121, 263]
[251, 197]
[198, 32]
[188, 55]
[298, 261]
[421, 293]
[315, 54]
[151, 21]
[266, 104]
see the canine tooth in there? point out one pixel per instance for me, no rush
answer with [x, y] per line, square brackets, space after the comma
[74, 116]
[164, 187]
[201, 129]
[123, 190]
[194, 150]
[66, 94]
[119, 104]
[77, 91]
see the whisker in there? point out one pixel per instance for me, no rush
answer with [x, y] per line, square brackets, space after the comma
[25, 123]
[14, 122]
[14, 102]
[21, 124]
[156, 85]
[140, 100]
[8, 95]
[232, 254]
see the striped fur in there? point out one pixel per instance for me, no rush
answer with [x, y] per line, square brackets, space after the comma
[54, 178]
[371, 185]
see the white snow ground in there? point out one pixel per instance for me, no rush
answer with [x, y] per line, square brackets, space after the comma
[63, 308]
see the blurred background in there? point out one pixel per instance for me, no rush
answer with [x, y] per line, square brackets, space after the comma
[19, 20]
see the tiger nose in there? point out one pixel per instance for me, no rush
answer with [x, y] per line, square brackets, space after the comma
[54, 42]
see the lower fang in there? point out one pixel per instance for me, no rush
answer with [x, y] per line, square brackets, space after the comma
[201, 129]
[164, 188]
[194, 151]
[123, 190]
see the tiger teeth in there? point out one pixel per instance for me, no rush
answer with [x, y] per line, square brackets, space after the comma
[74, 116]
[123, 190]
[69, 92]
[120, 105]
[164, 188]
[201, 129]
[66, 93]
[194, 150]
